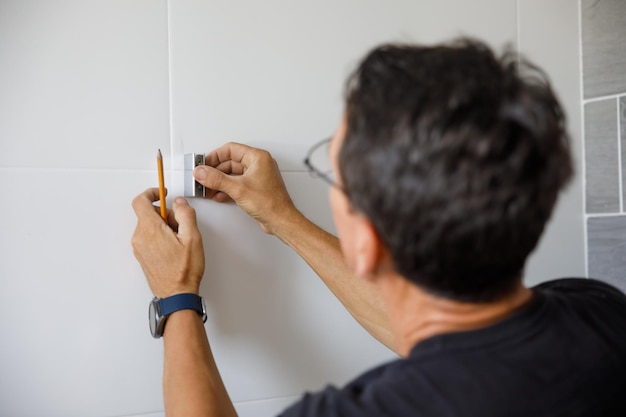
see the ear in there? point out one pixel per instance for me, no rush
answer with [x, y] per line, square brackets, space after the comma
[369, 249]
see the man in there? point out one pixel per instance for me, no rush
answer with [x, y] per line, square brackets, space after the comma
[443, 172]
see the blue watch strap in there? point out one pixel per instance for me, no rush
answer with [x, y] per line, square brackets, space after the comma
[185, 301]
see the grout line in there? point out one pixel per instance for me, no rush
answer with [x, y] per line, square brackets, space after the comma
[170, 82]
[595, 215]
[146, 414]
[77, 169]
[602, 98]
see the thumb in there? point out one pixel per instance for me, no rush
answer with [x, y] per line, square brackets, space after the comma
[214, 179]
[185, 216]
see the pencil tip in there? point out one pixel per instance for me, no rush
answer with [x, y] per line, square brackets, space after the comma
[159, 156]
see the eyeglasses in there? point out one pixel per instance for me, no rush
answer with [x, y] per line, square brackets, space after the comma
[318, 162]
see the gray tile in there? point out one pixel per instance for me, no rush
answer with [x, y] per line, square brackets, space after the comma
[622, 127]
[604, 49]
[607, 249]
[601, 157]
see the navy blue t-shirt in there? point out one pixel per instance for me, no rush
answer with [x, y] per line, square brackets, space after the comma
[563, 354]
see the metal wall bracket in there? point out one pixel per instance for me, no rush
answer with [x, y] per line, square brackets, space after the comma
[192, 187]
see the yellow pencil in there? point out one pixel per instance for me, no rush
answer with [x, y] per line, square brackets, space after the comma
[161, 185]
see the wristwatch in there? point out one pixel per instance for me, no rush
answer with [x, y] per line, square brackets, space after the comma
[160, 308]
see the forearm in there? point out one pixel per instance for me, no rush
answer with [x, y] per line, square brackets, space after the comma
[192, 385]
[322, 252]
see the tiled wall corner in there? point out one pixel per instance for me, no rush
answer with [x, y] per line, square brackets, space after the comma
[607, 249]
[603, 34]
[603, 29]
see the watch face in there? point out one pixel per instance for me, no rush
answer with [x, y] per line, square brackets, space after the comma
[152, 316]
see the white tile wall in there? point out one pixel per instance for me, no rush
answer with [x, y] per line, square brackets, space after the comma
[271, 73]
[85, 102]
[83, 83]
[73, 303]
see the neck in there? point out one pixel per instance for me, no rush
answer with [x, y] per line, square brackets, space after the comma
[417, 315]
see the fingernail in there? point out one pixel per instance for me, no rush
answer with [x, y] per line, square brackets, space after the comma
[180, 200]
[199, 173]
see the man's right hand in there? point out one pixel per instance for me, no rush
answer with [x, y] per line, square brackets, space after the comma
[250, 177]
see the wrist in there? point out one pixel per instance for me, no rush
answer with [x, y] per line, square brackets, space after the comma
[180, 317]
[171, 291]
[287, 223]
[162, 308]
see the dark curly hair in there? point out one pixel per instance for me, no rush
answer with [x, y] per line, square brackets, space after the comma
[457, 158]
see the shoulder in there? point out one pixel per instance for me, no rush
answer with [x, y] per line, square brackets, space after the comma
[588, 289]
[588, 307]
[578, 284]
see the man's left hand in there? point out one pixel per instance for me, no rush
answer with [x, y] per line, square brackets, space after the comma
[171, 254]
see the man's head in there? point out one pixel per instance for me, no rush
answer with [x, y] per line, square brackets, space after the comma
[456, 158]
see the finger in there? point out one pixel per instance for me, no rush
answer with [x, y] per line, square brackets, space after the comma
[186, 218]
[230, 167]
[216, 180]
[171, 220]
[217, 196]
[220, 197]
[142, 204]
[210, 194]
[237, 153]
